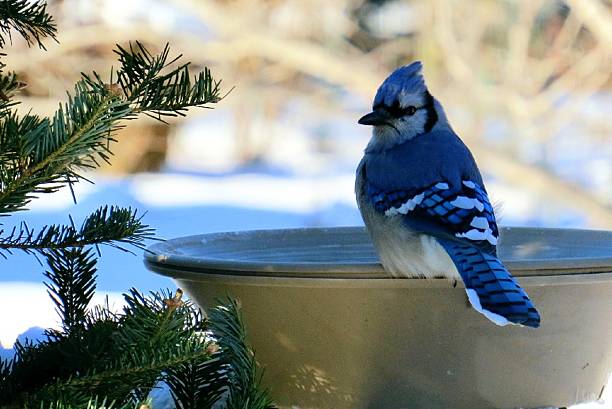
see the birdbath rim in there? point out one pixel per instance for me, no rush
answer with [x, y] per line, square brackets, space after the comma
[347, 252]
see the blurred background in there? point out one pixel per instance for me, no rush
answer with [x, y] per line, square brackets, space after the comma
[526, 84]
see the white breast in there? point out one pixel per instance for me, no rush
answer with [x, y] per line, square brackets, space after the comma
[402, 252]
[405, 253]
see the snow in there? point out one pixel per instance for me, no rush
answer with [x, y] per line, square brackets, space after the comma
[30, 306]
[299, 194]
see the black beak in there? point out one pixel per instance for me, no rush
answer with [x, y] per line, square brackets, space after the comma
[376, 117]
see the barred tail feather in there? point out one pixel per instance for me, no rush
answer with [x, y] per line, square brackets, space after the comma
[490, 288]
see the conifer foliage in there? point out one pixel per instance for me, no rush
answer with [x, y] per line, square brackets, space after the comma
[99, 358]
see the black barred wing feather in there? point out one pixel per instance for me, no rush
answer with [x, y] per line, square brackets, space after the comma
[462, 220]
[490, 287]
[458, 212]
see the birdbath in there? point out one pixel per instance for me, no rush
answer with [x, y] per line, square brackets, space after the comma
[332, 330]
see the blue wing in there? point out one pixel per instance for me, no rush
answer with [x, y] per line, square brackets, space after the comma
[461, 213]
[463, 221]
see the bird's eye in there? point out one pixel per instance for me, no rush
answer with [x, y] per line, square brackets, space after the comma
[397, 111]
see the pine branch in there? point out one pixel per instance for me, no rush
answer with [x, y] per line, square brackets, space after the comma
[14, 133]
[111, 226]
[245, 382]
[8, 385]
[142, 80]
[117, 357]
[161, 319]
[71, 286]
[149, 323]
[54, 151]
[155, 334]
[9, 85]
[87, 403]
[198, 384]
[59, 356]
[126, 376]
[48, 154]
[30, 20]
[121, 357]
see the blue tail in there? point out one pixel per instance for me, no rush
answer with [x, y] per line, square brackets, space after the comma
[491, 289]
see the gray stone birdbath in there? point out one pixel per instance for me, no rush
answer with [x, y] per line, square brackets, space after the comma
[332, 330]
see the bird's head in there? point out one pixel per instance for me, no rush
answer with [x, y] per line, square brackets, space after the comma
[403, 107]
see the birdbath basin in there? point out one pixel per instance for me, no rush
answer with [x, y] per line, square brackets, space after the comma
[332, 330]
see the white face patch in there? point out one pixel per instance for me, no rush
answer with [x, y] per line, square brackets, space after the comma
[412, 125]
[407, 206]
[383, 134]
[402, 129]
[464, 202]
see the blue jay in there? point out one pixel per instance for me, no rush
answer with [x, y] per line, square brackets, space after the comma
[424, 204]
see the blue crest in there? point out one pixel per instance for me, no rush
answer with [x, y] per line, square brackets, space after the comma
[407, 78]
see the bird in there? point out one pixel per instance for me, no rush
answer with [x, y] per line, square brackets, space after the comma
[424, 204]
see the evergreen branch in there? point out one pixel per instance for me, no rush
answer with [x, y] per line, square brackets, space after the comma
[71, 286]
[158, 94]
[117, 357]
[76, 138]
[14, 131]
[30, 20]
[154, 333]
[107, 225]
[198, 384]
[245, 383]
[136, 372]
[80, 130]
[9, 85]
[86, 403]
[76, 400]
[8, 385]
[149, 323]
[51, 152]
[58, 357]
[104, 359]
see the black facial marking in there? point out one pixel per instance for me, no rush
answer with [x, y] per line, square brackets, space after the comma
[396, 110]
[432, 115]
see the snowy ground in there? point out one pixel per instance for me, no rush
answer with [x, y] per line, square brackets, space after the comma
[179, 204]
